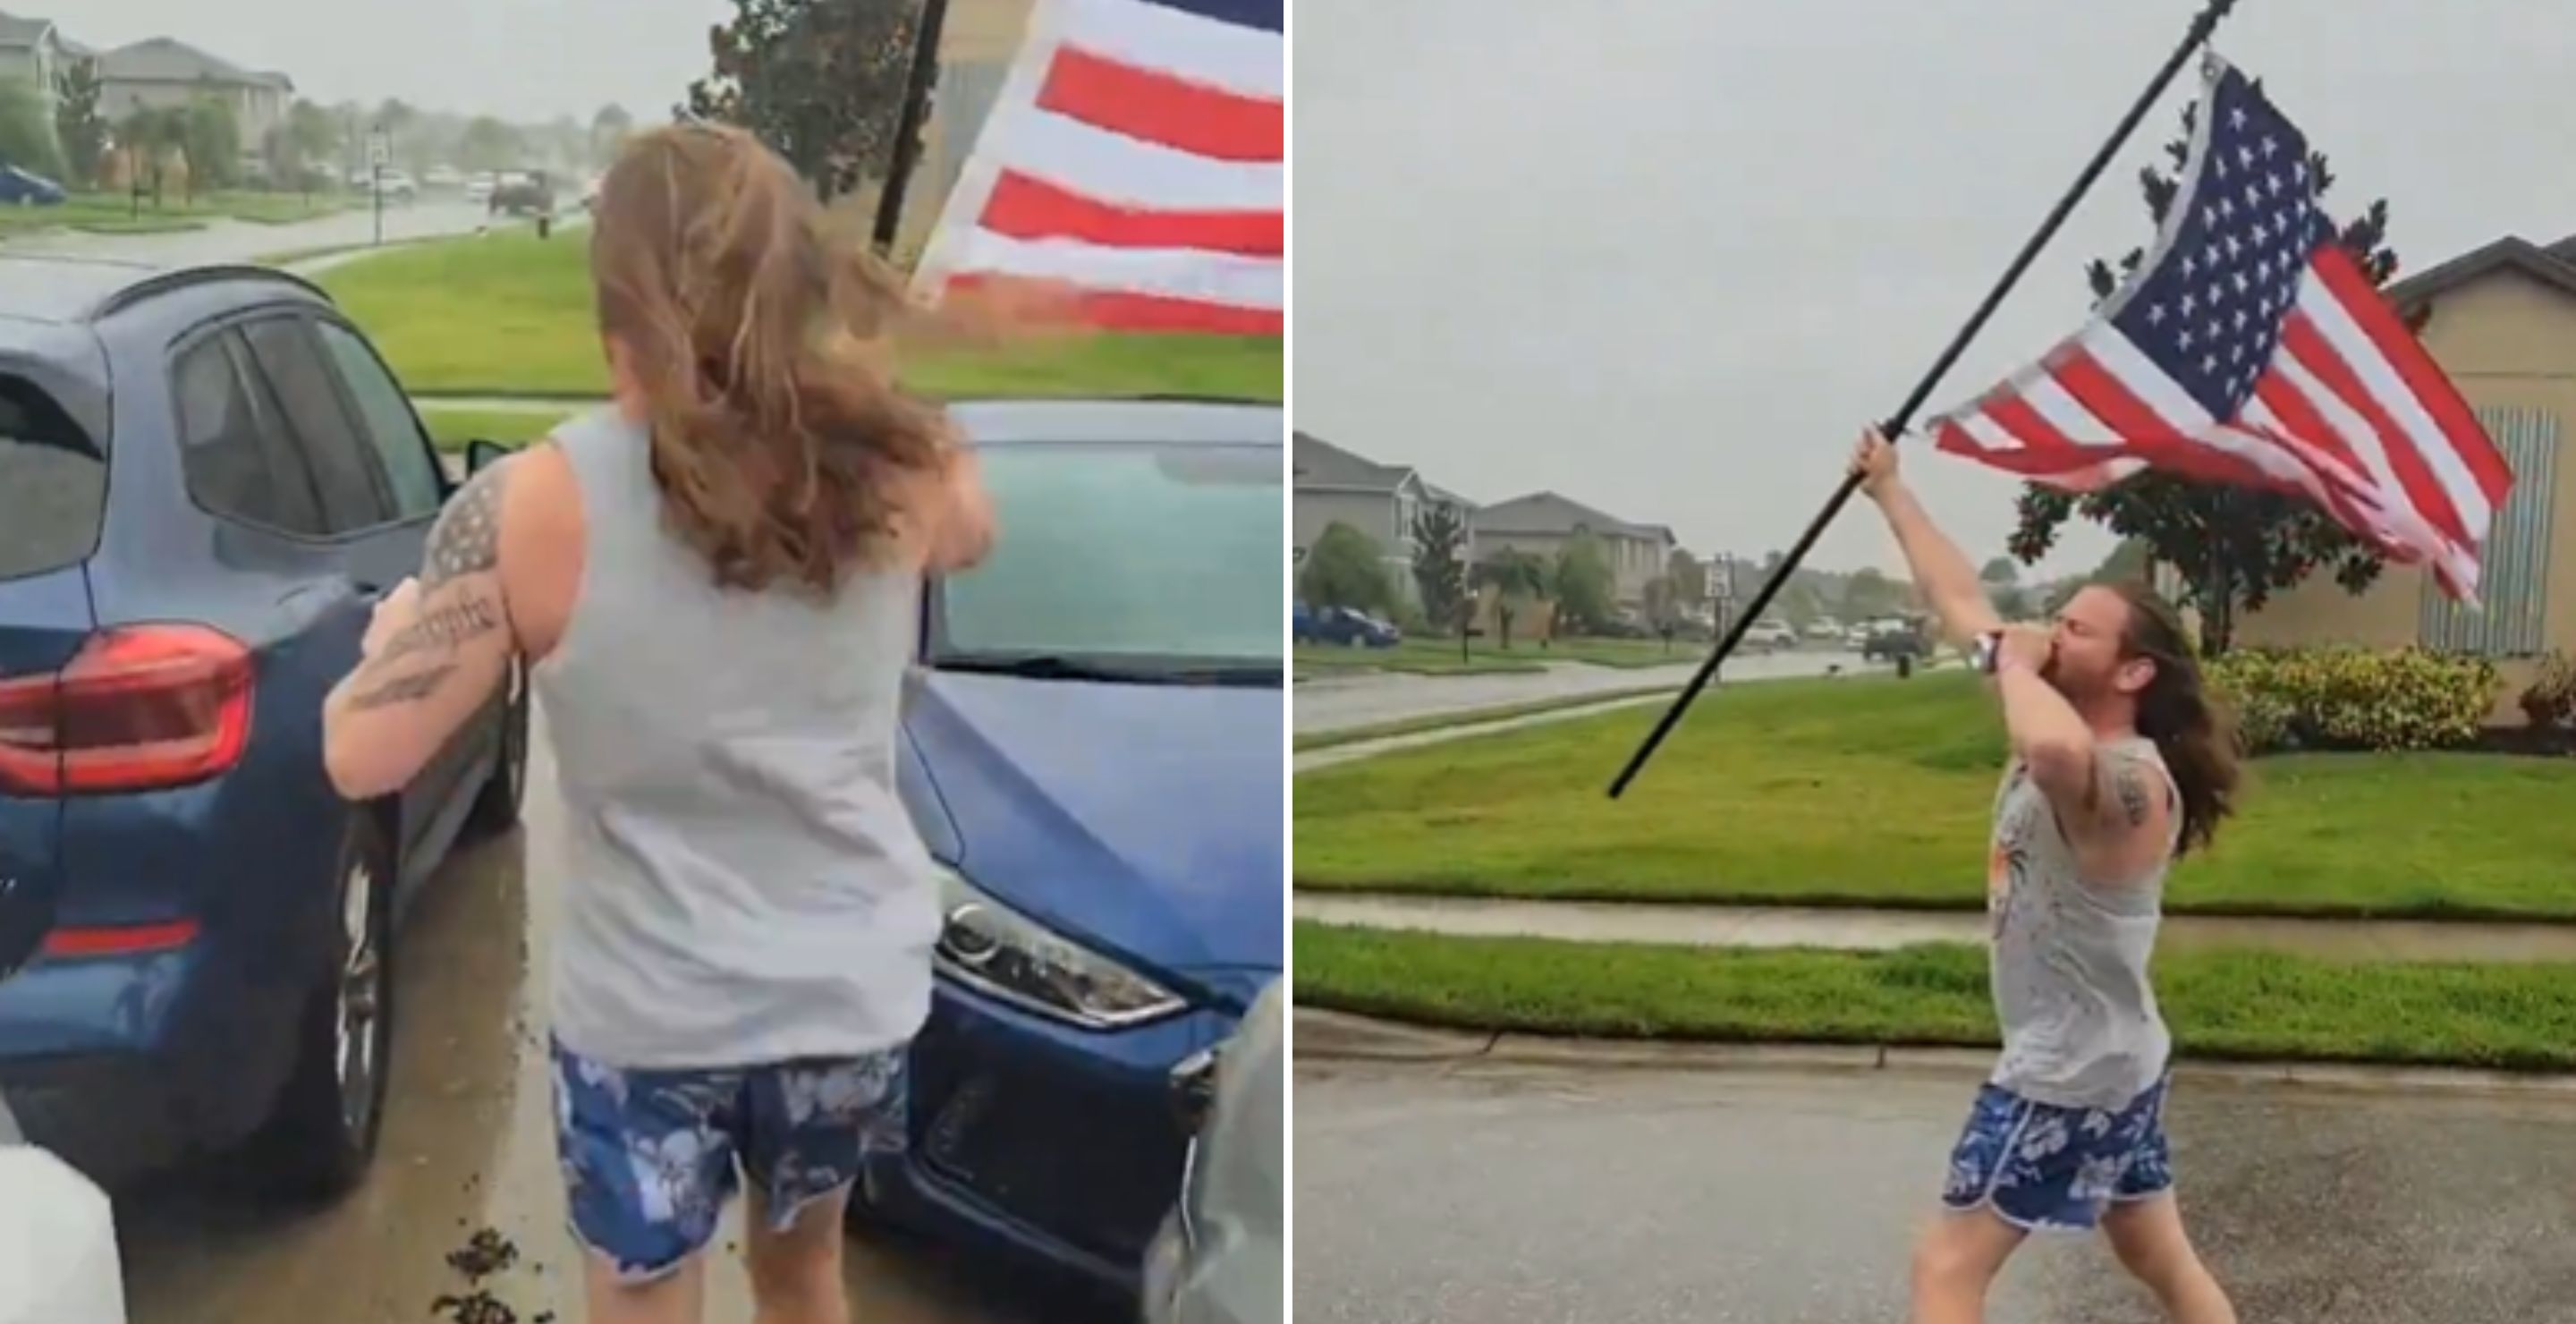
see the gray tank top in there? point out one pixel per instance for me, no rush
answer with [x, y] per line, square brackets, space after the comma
[743, 884]
[2080, 1024]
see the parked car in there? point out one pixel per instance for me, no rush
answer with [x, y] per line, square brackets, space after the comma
[1770, 634]
[1354, 628]
[1221, 1257]
[1891, 642]
[206, 476]
[20, 187]
[1092, 753]
[522, 195]
[479, 188]
[1301, 623]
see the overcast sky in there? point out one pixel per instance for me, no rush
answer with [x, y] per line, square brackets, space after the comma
[524, 60]
[1666, 257]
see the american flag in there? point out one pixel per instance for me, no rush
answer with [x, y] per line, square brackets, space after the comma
[1137, 152]
[2250, 349]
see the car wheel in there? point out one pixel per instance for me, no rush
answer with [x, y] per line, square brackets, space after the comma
[324, 1131]
[496, 807]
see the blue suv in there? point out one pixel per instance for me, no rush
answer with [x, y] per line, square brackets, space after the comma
[206, 476]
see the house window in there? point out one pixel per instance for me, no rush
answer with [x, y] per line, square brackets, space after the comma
[2513, 587]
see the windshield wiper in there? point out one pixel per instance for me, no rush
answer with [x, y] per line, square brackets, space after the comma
[1041, 666]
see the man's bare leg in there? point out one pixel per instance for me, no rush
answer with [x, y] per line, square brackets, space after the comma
[2149, 1239]
[1956, 1261]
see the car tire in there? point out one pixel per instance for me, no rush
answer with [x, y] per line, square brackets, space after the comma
[318, 1142]
[496, 806]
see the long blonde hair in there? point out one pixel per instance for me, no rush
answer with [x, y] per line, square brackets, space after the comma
[780, 440]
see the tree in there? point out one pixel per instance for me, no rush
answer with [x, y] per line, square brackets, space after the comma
[211, 136]
[309, 136]
[1517, 579]
[26, 131]
[1869, 593]
[608, 130]
[2233, 547]
[78, 125]
[490, 144]
[821, 81]
[1440, 562]
[1581, 582]
[1689, 578]
[1345, 569]
[147, 136]
[1999, 570]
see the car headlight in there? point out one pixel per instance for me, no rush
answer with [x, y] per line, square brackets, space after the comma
[995, 949]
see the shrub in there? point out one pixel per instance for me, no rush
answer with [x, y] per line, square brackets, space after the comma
[2356, 698]
[2551, 698]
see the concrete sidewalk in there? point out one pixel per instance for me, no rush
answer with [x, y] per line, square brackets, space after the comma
[1879, 930]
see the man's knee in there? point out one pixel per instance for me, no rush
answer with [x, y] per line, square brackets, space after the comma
[801, 1261]
[1943, 1259]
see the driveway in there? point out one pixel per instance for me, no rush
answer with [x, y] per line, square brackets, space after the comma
[1638, 1197]
[1362, 698]
[468, 1145]
[241, 241]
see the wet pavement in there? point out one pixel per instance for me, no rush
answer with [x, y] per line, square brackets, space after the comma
[468, 1144]
[1332, 702]
[1879, 930]
[1469, 1193]
[242, 241]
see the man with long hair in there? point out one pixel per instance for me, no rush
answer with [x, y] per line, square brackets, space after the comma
[713, 585]
[2120, 764]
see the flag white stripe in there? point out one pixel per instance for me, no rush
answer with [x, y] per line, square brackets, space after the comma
[2356, 431]
[1172, 273]
[1987, 432]
[2380, 379]
[1113, 167]
[1201, 50]
[2134, 370]
[2050, 399]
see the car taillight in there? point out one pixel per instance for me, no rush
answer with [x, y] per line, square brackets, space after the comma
[140, 707]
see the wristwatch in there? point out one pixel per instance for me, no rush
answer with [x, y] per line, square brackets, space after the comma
[1987, 651]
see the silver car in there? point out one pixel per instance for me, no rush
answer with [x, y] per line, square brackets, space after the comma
[1220, 1257]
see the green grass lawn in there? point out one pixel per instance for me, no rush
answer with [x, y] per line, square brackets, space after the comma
[1873, 791]
[511, 314]
[1442, 721]
[2220, 1004]
[114, 213]
[452, 428]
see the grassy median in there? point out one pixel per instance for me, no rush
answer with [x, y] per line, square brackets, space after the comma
[510, 314]
[1352, 735]
[2224, 1004]
[1874, 791]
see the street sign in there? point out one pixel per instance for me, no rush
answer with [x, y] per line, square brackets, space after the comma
[379, 150]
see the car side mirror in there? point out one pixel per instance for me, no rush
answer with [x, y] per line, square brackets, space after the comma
[481, 455]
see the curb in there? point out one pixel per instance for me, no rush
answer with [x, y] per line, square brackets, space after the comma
[1333, 1036]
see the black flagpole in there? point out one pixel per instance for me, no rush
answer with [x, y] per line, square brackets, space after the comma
[908, 125]
[2201, 26]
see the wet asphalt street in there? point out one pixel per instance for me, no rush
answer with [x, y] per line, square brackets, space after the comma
[242, 241]
[468, 1143]
[1429, 1195]
[1330, 702]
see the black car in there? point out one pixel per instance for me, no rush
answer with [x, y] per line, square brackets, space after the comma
[206, 478]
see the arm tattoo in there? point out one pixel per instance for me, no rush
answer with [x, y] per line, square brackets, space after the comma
[467, 538]
[2131, 787]
[443, 626]
[408, 688]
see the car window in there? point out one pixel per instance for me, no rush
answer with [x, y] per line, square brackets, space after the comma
[1119, 553]
[344, 477]
[390, 426]
[53, 483]
[237, 460]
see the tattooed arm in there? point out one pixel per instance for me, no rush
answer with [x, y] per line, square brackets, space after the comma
[438, 649]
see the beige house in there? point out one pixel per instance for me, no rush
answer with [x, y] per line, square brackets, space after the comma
[163, 73]
[2503, 326]
[1542, 523]
[1330, 485]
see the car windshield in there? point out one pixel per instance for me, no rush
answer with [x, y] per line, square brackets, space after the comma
[1146, 563]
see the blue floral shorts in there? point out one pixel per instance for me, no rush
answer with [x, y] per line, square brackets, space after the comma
[649, 1157]
[2047, 1168]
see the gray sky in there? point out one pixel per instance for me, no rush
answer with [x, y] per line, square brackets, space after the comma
[524, 60]
[1666, 257]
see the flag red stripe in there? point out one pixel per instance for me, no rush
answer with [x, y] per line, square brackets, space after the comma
[2301, 339]
[2424, 379]
[2016, 415]
[1025, 207]
[1119, 310]
[2100, 390]
[2301, 419]
[1162, 108]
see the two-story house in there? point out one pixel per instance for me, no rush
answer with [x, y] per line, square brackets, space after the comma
[1543, 522]
[164, 73]
[34, 52]
[1331, 486]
